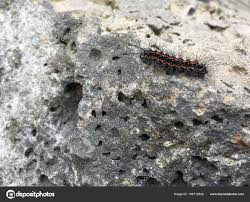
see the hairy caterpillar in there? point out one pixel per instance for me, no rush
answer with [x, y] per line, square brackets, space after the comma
[172, 64]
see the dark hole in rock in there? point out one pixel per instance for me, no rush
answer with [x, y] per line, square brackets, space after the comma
[57, 71]
[145, 170]
[197, 122]
[123, 98]
[33, 132]
[104, 113]
[95, 54]
[148, 35]
[99, 143]
[144, 137]
[247, 89]
[57, 149]
[144, 104]
[106, 153]
[206, 122]
[119, 72]
[43, 178]
[93, 113]
[115, 58]
[217, 118]
[28, 152]
[126, 118]
[178, 181]
[73, 89]
[122, 172]
[73, 47]
[45, 64]
[134, 156]
[98, 128]
[63, 39]
[46, 143]
[66, 150]
[191, 11]
[178, 124]
[151, 182]
[152, 157]
[157, 31]
[54, 108]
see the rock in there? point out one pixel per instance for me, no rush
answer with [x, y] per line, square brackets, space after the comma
[79, 106]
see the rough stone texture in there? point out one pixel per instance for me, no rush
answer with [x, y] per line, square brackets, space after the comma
[83, 109]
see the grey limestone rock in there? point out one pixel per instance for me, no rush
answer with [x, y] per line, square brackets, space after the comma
[79, 107]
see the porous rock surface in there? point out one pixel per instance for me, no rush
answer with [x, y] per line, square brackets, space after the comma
[78, 106]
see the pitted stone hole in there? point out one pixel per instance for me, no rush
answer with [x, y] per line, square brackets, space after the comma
[95, 54]
[134, 156]
[106, 153]
[197, 122]
[126, 118]
[121, 172]
[65, 33]
[73, 47]
[115, 58]
[43, 178]
[144, 104]
[54, 107]
[144, 137]
[33, 132]
[66, 150]
[178, 124]
[151, 157]
[98, 128]
[73, 89]
[123, 98]
[145, 170]
[28, 152]
[104, 113]
[57, 149]
[119, 72]
[217, 118]
[99, 143]
[93, 113]
[178, 181]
